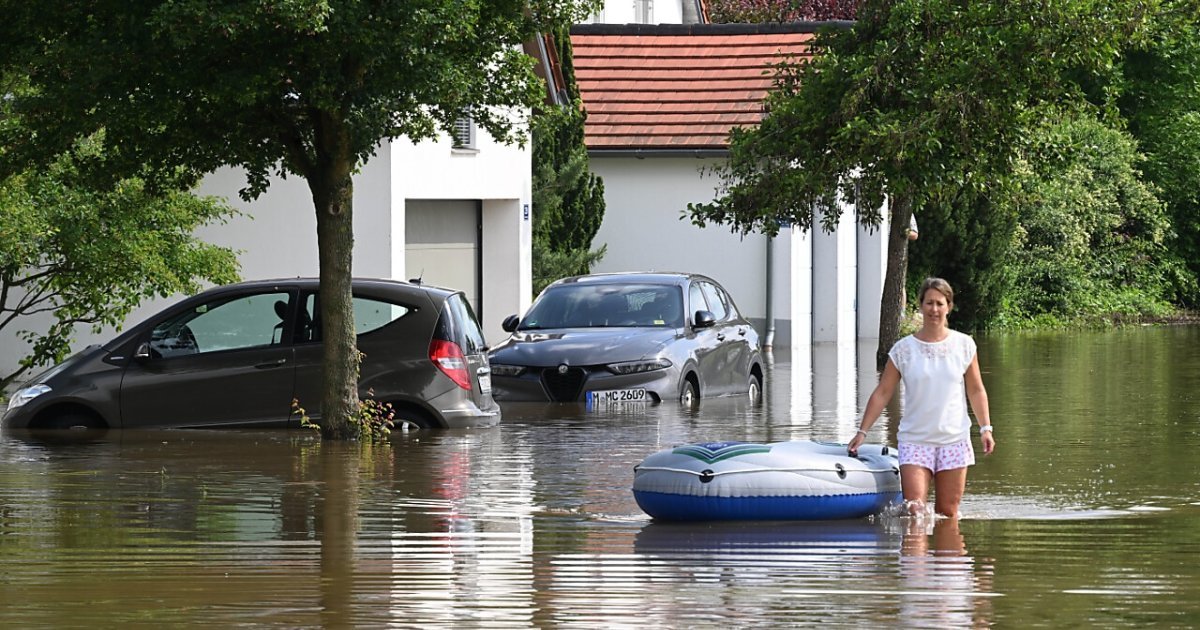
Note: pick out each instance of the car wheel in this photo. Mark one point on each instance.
(755, 389)
(689, 397)
(410, 419)
(73, 420)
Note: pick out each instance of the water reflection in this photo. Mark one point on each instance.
(1086, 514)
(459, 527)
(822, 393)
(789, 539)
(835, 386)
(943, 586)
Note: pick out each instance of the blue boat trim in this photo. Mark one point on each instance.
(679, 507)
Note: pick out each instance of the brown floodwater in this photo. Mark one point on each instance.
(1088, 514)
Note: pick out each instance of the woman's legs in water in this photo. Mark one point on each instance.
(914, 483)
(945, 467)
(949, 486)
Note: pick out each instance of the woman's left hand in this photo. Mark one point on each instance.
(989, 442)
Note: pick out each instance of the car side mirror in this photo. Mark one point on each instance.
(510, 323)
(704, 319)
(142, 353)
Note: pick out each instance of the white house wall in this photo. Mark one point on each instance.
(825, 291)
(835, 274)
(497, 174)
(872, 267)
(275, 236)
(800, 281)
(625, 12)
(642, 228)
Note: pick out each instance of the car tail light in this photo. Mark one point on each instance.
(450, 360)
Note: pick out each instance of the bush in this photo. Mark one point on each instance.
(568, 199)
(1092, 235)
(758, 11)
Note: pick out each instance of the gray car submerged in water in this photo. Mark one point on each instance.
(628, 337)
(238, 355)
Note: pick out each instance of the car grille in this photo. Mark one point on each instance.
(563, 387)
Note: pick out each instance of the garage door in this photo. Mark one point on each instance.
(442, 245)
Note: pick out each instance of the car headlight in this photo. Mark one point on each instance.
(637, 367)
(499, 369)
(25, 395)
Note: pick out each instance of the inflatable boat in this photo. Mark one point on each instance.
(799, 480)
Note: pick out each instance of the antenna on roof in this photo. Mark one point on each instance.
(417, 280)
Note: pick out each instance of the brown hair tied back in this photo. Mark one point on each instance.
(939, 285)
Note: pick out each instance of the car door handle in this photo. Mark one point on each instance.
(266, 365)
(742, 332)
(721, 337)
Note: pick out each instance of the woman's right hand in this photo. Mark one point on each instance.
(852, 447)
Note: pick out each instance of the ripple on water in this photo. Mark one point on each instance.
(1036, 507)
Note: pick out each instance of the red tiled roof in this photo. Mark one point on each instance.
(677, 87)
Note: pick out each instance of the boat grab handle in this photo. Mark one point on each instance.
(710, 474)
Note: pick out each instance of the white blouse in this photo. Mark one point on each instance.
(935, 393)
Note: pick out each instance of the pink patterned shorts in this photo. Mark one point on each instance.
(938, 458)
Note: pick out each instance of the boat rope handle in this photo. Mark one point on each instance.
(711, 473)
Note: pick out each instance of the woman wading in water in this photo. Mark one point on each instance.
(940, 371)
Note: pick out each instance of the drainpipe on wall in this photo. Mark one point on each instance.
(548, 68)
(769, 340)
(694, 12)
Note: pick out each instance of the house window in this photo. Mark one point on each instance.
(643, 11)
(464, 133)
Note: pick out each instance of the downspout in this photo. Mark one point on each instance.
(769, 340)
(693, 12)
(548, 69)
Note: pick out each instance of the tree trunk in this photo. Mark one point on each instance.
(892, 303)
(335, 245)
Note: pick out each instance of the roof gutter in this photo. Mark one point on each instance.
(648, 153)
(708, 29)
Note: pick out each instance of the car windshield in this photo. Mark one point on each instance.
(604, 305)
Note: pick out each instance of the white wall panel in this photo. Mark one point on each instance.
(276, 233)
(645, 200)
(872, 267)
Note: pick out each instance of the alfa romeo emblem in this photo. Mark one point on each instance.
(562, 368)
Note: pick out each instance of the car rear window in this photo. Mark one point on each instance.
(458, 323)
(370, 314)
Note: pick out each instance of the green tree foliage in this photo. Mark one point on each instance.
(923, 101)
(88, 257)
(759, 11)
(1092, 241)
(568, 200)
(1160, 99)
(307, 88)
(968, 242)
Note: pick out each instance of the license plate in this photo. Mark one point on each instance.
(485, 383)
(616, 397)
